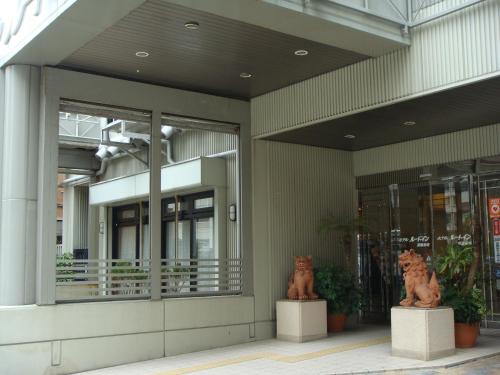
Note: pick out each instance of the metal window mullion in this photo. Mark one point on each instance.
(155, 204)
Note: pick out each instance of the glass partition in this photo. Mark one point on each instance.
(103, 192)
(425, 216)
(200, 247)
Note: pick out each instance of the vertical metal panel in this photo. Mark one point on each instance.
(456, 47)
(303, 185)
(462, 145)
(80, 217)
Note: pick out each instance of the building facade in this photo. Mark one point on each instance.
(162, 161)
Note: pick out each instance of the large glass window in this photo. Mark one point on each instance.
(103, 239)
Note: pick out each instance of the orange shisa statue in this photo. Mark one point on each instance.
(301, 282)
(420, 292)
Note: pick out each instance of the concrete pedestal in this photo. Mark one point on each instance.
(301, 321)
(424, 334)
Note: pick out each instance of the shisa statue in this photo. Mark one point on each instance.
(301, 282)
(420, 292)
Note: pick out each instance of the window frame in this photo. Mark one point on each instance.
(129, 222)
(188, 214)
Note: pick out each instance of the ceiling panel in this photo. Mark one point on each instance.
(209, 59)
(447, 111)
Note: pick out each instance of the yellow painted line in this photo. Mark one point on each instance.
(278, 357)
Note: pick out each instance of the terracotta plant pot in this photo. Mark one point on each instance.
(336, 322)
(466, 335)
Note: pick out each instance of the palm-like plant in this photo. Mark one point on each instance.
(455, 264)
(457, 291)
(346, 229)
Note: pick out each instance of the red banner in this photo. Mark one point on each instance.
(496, 227)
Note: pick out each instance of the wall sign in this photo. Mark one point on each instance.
(421, 241)
(496, 247)
(496, 227)
(11, 26)
(494, 207)
(462, 239)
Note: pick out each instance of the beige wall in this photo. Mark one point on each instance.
(461, 145)
(76, 337)
(294, 187)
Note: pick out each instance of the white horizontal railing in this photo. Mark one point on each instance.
(59, 249)
(190, 277)
(110, 279)
(95, 279)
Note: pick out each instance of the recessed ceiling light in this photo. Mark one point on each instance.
(409, 123)
(245, 75)
(192, 25)
(138, 71)
(301, 52)
(349, 136)
(142, 54)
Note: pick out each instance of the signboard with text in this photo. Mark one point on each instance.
(494, 208)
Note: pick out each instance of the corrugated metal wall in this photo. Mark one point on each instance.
(462, 145)
(124, 165)
(446, 51)
(294, 188)
(81, 218)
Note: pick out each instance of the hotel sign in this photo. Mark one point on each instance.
(19, 19)
(10, 26)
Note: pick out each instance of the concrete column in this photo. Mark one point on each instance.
(2, 112)
(19, 185)
(47, 195)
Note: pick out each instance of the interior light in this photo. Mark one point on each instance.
(409, 123)
(142, 54)
(245, 75)
(192, 25)
(301, 52)
(349, 136)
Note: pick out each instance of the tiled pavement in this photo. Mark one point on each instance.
(364, 350)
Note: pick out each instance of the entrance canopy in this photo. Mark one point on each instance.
(459, 108)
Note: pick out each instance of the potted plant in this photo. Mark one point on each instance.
(457, 271)
(341, 292)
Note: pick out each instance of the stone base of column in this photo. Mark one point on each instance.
(300, 321)
(424, 334)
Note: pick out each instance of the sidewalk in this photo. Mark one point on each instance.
(364, 350)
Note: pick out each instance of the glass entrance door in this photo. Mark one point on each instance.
(490, 209)
(426, 216)
(374, 255)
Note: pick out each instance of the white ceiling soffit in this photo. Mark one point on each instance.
(66, 30)
(320, 21)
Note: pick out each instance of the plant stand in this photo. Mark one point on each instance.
(301, 321)
(420, 333)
